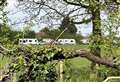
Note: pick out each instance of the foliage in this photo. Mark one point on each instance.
(74, 69)
(46, 30)
(28, 32)
(32, 63)
(104, 72)
(50, 33)
(68, 23)
(8, 36)
(3, 3)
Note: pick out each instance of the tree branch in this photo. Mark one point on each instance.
(2, 2)
(76, 4)
(73, 11)
(2, 48)
(86, 54)
(55, 10)
(83, 21)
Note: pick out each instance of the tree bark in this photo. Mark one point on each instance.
(96, 38)
(93, 58)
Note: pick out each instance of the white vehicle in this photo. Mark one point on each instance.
(66, 41)
(28, 41)
(47, 40)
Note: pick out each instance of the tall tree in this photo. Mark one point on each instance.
(90, 13)
(2, 13)
(94, 7)
(68, 23)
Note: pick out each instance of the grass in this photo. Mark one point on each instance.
(3, 65)
(80, 62)
(81, 71)
(4, 61)
(80, 67)
(72, 47)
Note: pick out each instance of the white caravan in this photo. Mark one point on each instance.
(47, 41)
(66, 41)
(28, 41)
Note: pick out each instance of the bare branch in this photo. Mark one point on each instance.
(83, 21)
(76, 4)
(55, 10)
(73, 11)
(2, 48)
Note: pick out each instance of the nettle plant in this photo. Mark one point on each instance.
(32, 63)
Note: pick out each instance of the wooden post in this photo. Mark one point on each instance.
(77, 79)
(14, 78)
(0, 75)
(61, 71)
(1, 71)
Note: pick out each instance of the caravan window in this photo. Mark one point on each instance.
(30, 40)
(60, 40)
(65, 40)
(35, 40)
(24, 41)
(20, 40)
(71, 40)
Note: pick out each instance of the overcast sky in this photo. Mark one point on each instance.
(84, 29)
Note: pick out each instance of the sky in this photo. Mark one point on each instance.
(84, 29)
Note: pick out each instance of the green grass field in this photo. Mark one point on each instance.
(72, 47)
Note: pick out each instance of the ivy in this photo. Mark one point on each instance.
(30, 63)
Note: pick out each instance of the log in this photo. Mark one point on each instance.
(91, 57)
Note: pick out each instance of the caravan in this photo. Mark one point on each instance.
(66, 41)
(28, 41)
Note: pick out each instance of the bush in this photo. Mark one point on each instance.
(30, 63)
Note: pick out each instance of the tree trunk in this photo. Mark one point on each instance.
(96, 38)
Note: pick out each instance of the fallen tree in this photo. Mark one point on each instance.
(33, 59)
(84, 53)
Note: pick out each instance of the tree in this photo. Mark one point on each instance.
(7, 36)
(94, 7)
(68, 23)
(28, 32)
(2, 2)
(91, 14)
(46, 30)
(2, 13)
